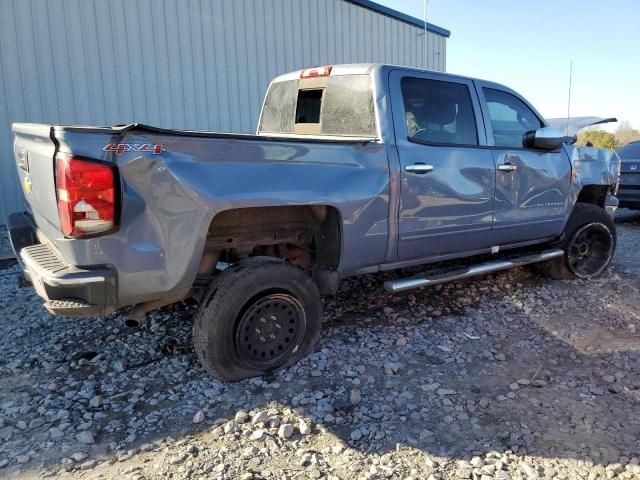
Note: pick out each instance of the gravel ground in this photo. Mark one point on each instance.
(5, 247)
(506, 376)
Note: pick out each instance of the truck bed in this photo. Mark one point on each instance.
(169, 199)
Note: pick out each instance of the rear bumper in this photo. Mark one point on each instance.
(67, 290)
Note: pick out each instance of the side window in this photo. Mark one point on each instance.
(438, 112)
(510, 117)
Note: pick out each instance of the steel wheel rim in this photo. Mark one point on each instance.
(590, 250)
(269, 331)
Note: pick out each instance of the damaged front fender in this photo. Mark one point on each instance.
(595, 167)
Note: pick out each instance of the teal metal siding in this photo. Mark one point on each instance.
(189, 64)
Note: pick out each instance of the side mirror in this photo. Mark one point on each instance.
(547, 138)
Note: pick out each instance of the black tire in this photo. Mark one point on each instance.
(589, 243)
(259, 315)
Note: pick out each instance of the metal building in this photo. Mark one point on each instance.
(187, 64)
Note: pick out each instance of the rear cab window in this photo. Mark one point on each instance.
(340, 105)
(309, 105)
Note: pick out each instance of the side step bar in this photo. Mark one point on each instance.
(403, 284)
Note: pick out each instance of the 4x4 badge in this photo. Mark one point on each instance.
(120, 148)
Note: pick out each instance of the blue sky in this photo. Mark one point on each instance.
(528, 46)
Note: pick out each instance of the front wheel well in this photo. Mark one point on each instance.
(593, 194)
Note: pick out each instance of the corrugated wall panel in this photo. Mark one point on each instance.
(188, 64)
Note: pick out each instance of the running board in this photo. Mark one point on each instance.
(403, 284)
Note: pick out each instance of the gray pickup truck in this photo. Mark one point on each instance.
(354, 169)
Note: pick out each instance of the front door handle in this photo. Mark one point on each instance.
(418, 168)
(507, 167)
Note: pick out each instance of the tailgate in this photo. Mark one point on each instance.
(34, 152)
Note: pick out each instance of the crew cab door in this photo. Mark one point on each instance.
(532, 186)
(447, 175)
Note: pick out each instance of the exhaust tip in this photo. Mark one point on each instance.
(136, 318)
(132, 323)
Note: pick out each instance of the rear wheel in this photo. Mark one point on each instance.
(589, 244)
(259, 316)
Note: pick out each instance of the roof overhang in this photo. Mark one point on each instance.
(416, 22)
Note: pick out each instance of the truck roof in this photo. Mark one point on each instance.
(367, 68)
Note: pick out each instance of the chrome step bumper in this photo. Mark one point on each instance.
(403, 284)
(67, 289)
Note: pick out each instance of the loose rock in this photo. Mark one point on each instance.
(285, 431)
(198, 417)
(85, 437)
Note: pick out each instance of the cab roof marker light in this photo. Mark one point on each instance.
(316, 72)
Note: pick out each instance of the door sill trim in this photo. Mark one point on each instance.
(385, 267)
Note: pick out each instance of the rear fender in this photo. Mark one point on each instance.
(170, 200)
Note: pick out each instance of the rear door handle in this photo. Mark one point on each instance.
(418, 168)
(507, 167)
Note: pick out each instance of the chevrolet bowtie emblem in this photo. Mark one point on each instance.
(26, 184)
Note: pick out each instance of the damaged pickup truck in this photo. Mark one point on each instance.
(354, 169)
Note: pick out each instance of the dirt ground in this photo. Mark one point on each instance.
(505, 376)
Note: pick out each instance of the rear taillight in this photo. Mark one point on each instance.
(86, 196)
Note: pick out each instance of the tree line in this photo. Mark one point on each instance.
(611, 141)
